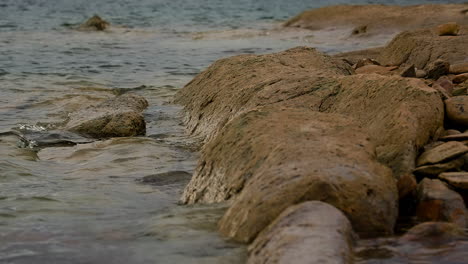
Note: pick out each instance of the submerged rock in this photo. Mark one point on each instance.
(117, 117)
(166, 178)
(311, 232)
(95, 23)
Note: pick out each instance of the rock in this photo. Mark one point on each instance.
(422, 48)
(456, 110)
(436, 202)
(380, 19)
(434, 170)
(117, 117)
(406, 112)
(408, 71)
(445, 83)
(421, 73)
(355, 56)
(95, 23)
(455, 137)
(406, 185)
(459, 68)
(167, 178)
(433, 233)
(444, 94)
(364, 62)
(311, 232)
(437, 69)
(460, 78)
(456, 179)
(452, 132)
(442, 153)
(368, 69)
(457, 91)
(448, 29)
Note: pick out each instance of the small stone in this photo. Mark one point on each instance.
(437, 202)
(442, 153)
(459, 68)
(437, 69)
(456, 179)
(365, 62)
(449, 29)
(434, 170)
(421, 73)
(456, 109)
(408, 71)
(460, 78)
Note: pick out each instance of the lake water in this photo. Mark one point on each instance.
(84, 203)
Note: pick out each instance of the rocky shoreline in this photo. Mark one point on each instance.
(367, 136)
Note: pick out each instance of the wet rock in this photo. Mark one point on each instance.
(311, 232)
(436, 202)
(434, 170)
(95, 23)
(406, 112)
(448, 29)
(276, 156)
(368, 69)
(459, 68)
(460, 78)
(437, 69)
(117, 117)
(166, 178)
(456, 179)
(456, 110)
(433, 233)
(422, 48)
(365, 62)
(408, 71)
(442, 153)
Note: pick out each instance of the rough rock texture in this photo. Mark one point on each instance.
(95, 23)
(311, 232)
(456, 109)
(459, 68)
(405, 112)
(239, 83)
(442, 153)
(379, 19)
(448, 29)
(433, 233)
(436, 202)
(422, 47)
(435, 169)
(117, 117)
(437, 68)
(456, 179)
(275, 157)
(460, 78)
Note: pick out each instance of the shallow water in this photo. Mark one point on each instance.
(67, 203)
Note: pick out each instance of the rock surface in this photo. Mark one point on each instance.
(117, 117)
(448, 29)
(436, 202)
(433, 233)
(442, 153)
(456, 109)
(422, 47)
(435, 169)
(456, 179)
(95, 23)
(311, 232)
(459, 68)
(437, 68)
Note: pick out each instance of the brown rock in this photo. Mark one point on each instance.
(433, 233)
(456, 179)
(455, 137)
(436, 202)
(421, 73)
(311, 232)
(445, 83)
(95, 23)
(406, 185)
(459, 68)
(117, 117)
(408, 71)
(460, 78)
(422, 48)
(456, 109)
(437, 69)
(457, 91)
(442, 153)
(451, 132)
(448, 29)
(434, 170)
(368, 69)
(364, 62)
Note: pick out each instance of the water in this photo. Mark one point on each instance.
(84, 204)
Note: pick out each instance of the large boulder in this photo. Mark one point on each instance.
(379, 19)
(311, 232)
(405, 114)
(117, 117)
(276, 156)
(423, 47)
